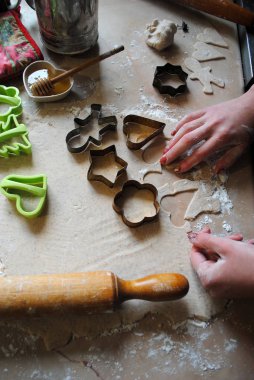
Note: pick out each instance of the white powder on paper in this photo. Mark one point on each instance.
(221, 194)
(200, 224)
(226, 226)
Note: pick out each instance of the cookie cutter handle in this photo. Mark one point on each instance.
(34, 190)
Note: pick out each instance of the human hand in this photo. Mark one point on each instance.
(225, 266)
(227, 126)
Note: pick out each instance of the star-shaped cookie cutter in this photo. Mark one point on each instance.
(102, 153)
(9, 130)
(106, 124)
(10, 96)
(14, 185)
(166, 72)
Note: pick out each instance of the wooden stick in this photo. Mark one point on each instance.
(86, 64)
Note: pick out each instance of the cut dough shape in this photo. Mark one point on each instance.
(202, 201)
(160, 34)
(205, 52)
(203, 74)
(211, 36)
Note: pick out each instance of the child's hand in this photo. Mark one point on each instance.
(225, 266)
(227, 126)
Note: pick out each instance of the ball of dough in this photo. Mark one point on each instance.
(160, 34)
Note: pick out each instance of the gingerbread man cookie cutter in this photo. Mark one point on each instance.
(105, 124)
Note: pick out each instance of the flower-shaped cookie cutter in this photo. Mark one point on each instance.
(10, 96)
(105, 124)
(13, 186)
(156, 128)
(9, 130)
(91, 176)
(119, 198)
(164, 73)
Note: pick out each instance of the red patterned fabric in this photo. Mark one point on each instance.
(17, 48)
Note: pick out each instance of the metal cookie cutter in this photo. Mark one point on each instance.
(9, 131)
(13, 187)
(164, 73)
(10, 96)
(118, 203)
(111, 150)
(155, 128)
(105, 124)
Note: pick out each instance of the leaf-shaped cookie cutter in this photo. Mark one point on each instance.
(35, 185)
(157, 126)
(168, 71)
(10, 96)
(106, 124)
(139, 186)
(102, 153)
(9, 130)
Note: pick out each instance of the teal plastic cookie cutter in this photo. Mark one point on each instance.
(10, 96)
(13, 138)
(17, 187)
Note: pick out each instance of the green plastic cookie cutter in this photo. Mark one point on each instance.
(14, 187)
(11, 130)
(10, 96)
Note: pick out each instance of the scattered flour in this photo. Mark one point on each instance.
(226, 226)
(200, 225)
(221, 194)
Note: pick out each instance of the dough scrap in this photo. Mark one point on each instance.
(160, 34)
(211, 36)
(205, 52)
(203, 74)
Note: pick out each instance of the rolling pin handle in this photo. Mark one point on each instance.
(157, 287)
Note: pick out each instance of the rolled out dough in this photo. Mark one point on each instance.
(211, 36)
(204, 52)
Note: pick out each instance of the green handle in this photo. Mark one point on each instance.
(35, 190)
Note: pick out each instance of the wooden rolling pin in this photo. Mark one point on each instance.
(222, 8)
(91, 292)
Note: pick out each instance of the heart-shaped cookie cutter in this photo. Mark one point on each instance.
(106, 124)
(157, 126)
(10, 96)
(12, 129)
(102, 153)
(117, 203)
(11, 185)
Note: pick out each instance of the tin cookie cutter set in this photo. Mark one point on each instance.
(134, 123)
(119, 202)
(103, 153)
(163, 74)
(105, 124)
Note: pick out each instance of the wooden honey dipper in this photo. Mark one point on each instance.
(88, 292)
(43, 86)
